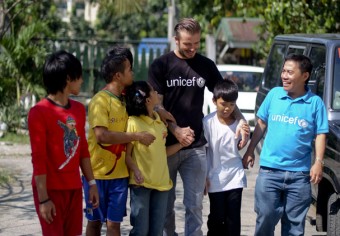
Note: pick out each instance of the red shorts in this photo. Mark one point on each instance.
(69, 212)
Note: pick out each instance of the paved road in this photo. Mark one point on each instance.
(18, 217)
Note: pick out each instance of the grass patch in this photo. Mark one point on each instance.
(15, 138)
(5, 177)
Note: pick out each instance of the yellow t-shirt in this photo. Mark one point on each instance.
(108, 111)
(151, 160)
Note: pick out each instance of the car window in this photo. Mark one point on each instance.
(336, 80)
(317, 79)
(246, 81)
(296, 49)
(274, 66)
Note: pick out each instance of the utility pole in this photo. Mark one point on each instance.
(171, 23)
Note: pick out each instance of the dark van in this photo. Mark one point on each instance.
(324, 52)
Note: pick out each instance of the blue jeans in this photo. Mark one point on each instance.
(284, 195)
(192, 166)
(148, 210)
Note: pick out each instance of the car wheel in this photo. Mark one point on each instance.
(333, 215)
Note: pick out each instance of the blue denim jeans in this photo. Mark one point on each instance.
(192, 167)
(148, 210)
(284, 195)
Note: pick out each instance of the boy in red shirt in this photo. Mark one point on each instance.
(59, 147)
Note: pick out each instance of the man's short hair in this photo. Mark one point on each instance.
(304, 62)
(188, 24)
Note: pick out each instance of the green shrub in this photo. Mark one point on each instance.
(15, 138)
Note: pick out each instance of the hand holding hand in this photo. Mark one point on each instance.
(184, 135)
(248, 160)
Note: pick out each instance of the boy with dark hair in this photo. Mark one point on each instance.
(57, 134)
(107, 139)
(225, 178)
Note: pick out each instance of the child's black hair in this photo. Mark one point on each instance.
(227, 90)
(136, 95)
(58, 68)
(114, 62)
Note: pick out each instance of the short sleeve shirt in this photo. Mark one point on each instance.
(107, 111)
(292, 124)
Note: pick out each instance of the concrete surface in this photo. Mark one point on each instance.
(18, 216)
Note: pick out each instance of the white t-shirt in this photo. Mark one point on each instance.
(225, 169)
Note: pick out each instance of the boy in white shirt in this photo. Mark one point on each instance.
(226, 178)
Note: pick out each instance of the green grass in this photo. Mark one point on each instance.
(15, 138)
(5, 177)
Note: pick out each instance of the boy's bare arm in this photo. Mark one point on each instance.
(85, 166)
(249, 156)
(46, 206)
(130, 163)
(103, 135)
(244, 133)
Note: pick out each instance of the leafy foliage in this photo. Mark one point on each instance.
(288, 17)
(134, 24)
(22, 54)
(21, 59)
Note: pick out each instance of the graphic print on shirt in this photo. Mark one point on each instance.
(290, 120)
(200, 82)
(71, 139)
(116, 149)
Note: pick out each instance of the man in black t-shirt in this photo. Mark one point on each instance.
(180, 77)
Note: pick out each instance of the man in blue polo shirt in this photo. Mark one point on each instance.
(293, 117)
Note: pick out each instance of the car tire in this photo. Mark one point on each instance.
(333, 215)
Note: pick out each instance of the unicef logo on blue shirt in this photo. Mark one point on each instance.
(303, 123)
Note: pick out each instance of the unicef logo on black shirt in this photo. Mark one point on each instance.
(200, 82)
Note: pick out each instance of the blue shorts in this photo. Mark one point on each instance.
(112, 204)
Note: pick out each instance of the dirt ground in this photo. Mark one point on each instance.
(18, 216)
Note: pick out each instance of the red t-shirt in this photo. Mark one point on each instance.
(58, 141)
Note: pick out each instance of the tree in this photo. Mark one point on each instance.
(21, 59)
(122, 7)
(287, 17)
(280, 16)
(117, 22)
(21, 52)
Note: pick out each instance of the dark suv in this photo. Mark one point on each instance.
(324, 52)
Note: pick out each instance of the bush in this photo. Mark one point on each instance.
(15, 138)
(12, 116)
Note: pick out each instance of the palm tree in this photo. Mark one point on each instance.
(122, 7)
(21, 58)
